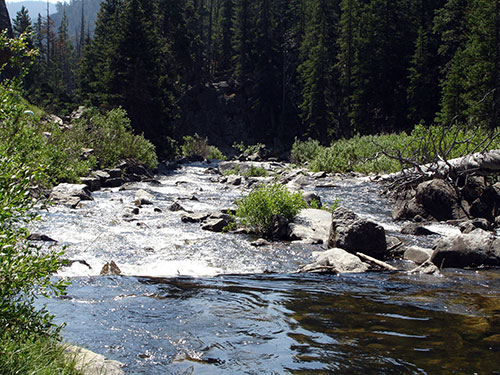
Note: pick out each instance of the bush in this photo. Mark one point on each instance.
(197, 146)
(256, 211)
(110, 136)
(305, 151)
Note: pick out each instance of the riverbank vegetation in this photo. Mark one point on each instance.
(388, 153)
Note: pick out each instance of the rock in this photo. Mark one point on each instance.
(93, 183)
(70, 262)
(473, 188)
(318, 175)
(439, 200)
(134, 170)
(260, 242)
(90, 363)
(481, 209)
(114, 173)
(142, 197)
(417, 254)
(110, 269)
(215, 225)
(393, 243)
(101, 175)
(70, 194)
(176, 207)
(113, 182)
(407, 210)
(196, 217)
(470, 225)
(77, 113)
(311, 224)
(312, 199)
(279, 229)
(234, 180)
(416, 230)
(40, 237)
(351, 233)
(136, 211)
(337, 261)
(474, 249)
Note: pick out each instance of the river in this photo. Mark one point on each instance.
(197, 302)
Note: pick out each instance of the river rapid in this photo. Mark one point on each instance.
(191, 301)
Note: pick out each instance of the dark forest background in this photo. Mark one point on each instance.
(269, 71)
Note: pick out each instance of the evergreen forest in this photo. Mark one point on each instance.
(270, 71)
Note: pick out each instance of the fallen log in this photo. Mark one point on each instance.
(480, 163)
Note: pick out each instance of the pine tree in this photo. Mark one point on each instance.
(22, 22)
(244, 36)
(224, 37)
(320, 92)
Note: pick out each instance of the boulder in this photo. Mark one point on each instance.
(142, 197)
(311, 225)
(40, 237)
(470, 225)
(113, 182)
(260, 242)
(354, 234)
(215, 225)
(70, 194)
(196, 217)
(94, 183)
(417, 254)
(415, 229)
(234, 180)
(90, 363)
(336, 261)
(279, 229)
(176, 207)
(407, 209)
(474, 249)
(439, 200)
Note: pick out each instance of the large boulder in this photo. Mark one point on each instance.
(311, 225)
(336, 261)
(439, 200)
(354, 234)
(474, 249)
(70, 194)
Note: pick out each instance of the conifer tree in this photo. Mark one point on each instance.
(22, 22)
(320, 91)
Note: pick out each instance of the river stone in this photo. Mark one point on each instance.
(94, 183)
(408, 209)
(215, 225)
(415, 229)
(102, 175)
(417, 254)
(40, 237)
(70, 194)
(176, 207)
(338, 261)
(473, 249)
(260, 242)
(196, 217)
(142, 197)
(234, 180)
(439, 200)
(90, 363)
(311, 225)
(354, 234)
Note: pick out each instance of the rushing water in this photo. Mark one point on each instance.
(197, 302)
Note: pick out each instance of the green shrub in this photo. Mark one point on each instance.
(256, 172)
(256, 210)
(110, 136)
(305, 151)
(197, 146)
(25, 270)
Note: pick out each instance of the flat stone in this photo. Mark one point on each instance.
(417, 254)
(196, 217)
(90, 363)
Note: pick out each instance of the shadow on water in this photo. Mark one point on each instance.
(291, 324)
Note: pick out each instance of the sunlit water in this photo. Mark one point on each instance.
(197, 302)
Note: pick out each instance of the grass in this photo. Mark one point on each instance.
(35, 355)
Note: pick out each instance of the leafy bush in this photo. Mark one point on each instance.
(256, 172)
(197, 146)
(305, 151)
(110, 136)
(25, 270)
(257, 209)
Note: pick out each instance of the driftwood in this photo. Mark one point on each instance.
(377, 262)
(480, 163)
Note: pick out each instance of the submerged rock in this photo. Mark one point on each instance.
(416, 230)
(417, 254)
(336, 261)
(215, 224)
(142, 197)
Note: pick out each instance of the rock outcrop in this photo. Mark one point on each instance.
(70, 194)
